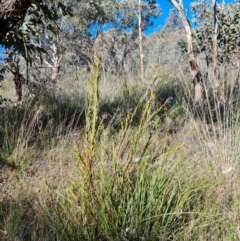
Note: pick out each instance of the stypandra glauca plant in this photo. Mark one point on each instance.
(117, 193)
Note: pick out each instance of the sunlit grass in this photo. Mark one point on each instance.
(7, 89)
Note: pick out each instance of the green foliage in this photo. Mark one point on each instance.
(45, 15)
(127, 19)
(173, 21)
(228, 19)
(24, 36)
(88, 27)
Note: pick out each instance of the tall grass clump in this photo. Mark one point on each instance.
(17, 131)
(124, 191)
(36, 126)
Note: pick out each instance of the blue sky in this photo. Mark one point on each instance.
(165, 7)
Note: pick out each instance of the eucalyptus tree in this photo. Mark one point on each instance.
(207, 11)
(114, 49)
(173, 21)
(163, 49)
(20, 21)
(217, 36)
(107, 28)
(195, 70)
(227, 21)
(82, 29)
(42, 31)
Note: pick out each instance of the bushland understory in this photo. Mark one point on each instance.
(121, 161)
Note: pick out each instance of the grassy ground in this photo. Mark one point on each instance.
(111, 159)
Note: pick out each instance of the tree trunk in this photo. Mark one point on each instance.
(13, 67)
(56, 60)
(218, 90)
(195, 70)
(140, 39)
(18, 81)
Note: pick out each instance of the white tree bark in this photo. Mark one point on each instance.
(218, 91)
(56, 60)
(195, 70)
(140, 39)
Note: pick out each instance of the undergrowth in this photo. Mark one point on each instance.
(134, 176)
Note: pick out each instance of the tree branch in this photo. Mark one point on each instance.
(11, 12)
